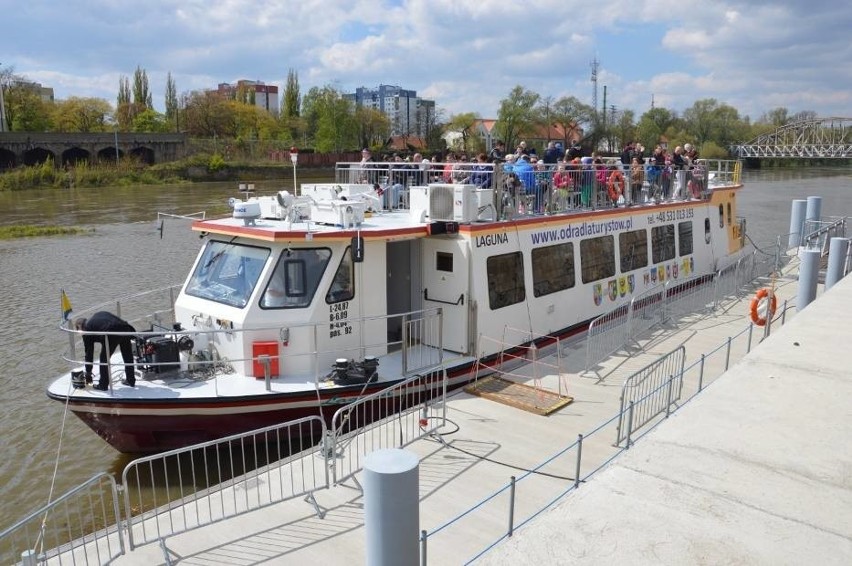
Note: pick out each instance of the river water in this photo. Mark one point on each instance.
(124, 253)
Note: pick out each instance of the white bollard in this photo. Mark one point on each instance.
(797, 220)
(808, 278)
(392, 508)
(837, 250)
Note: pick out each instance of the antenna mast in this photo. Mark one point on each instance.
(594, 66)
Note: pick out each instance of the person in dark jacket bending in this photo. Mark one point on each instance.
(107, 323)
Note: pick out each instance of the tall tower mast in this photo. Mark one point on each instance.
(594, 66)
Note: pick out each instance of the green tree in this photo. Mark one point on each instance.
(569, 113)
(150, 121)
(653, 124)
(172, 103)
(464, 124)
(517, 114)
(82, 115)
(207, 114)
(141, 93)
(292, 101)
(330, 119)
(25, 109)
(373, 126)
(124, 111)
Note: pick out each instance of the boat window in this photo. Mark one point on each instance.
(343, 285)
(662, 243)
(721, 217)
(552, 269)
(730, 216)
(706, 230)
(597, 258)
(684, 238)
(296, 278)
(444, 261)
(227, 273)
(505, 280)
(633, 250)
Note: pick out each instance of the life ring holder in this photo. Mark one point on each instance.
(763, 307)
(615, 185)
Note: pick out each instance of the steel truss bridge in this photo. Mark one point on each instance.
(818, 138)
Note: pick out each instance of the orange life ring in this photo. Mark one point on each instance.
(763, 307)
(615, 185)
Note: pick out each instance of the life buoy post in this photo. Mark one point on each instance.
(763, 306)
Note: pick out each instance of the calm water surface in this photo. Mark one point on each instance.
(125, 254)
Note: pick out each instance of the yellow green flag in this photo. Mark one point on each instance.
(65, 302)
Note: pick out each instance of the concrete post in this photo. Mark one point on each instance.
(808, 277)
(797, 219)
(814, 209)
(837, 250)
(391, 508)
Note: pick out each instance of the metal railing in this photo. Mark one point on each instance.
(646, 311)
(180, 490)
(420, 339)
(542, 188)
(81, 526)
(650, 391)
(391, 418)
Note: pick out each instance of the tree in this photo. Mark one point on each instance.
(26, 111)
(698, 119)
(124, 111)
(291, 103)
(374, 127)
(172, 103)
(517, 114)
(330, 119)
(141, 94)
(150, 121)
(82, 115)
(463, 124)
(653, 124)
(206, 114)
(568, 113)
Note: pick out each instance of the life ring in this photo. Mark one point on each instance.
(615, 185)
(763, 307)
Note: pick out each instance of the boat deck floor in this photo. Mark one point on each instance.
(482, 446)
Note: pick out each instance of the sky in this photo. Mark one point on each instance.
(466, 55)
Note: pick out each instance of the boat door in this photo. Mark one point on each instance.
(446, 284)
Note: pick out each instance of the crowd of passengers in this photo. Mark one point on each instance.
(554, 181)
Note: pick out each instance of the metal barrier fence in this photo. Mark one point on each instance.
(391, 418)
(649, 392)
(612, 331)
(505, 510)
(81, 526)
(176, 491)
(607, 334)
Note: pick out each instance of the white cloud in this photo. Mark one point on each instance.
(466, 54)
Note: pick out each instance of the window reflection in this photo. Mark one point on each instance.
(296, 278)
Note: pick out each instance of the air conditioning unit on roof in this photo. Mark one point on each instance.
(453, 203)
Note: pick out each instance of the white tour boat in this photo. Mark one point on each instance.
(298, 304)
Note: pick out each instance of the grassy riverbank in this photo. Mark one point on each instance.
(11, 232)
(199, 168)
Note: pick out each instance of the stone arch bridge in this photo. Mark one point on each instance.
(33, 148)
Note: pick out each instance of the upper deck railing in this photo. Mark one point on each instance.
(542, 188)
